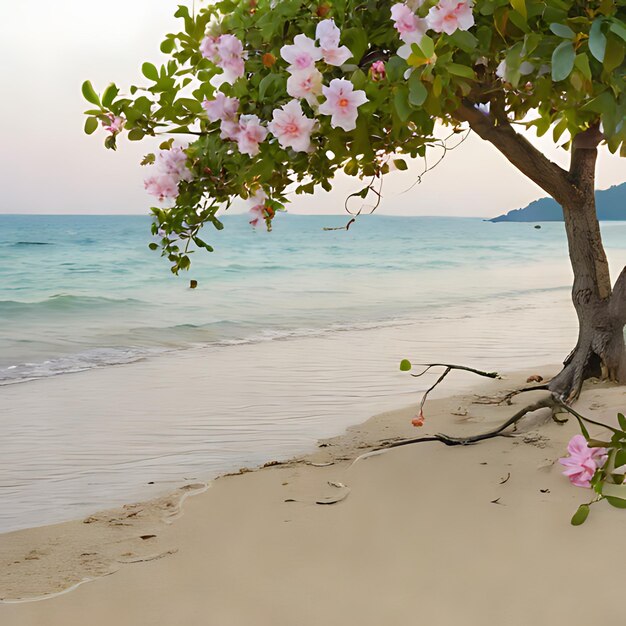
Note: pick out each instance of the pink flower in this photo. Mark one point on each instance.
(208, 48)
(221, 107)
(250, 134)
(173, 162)
(582, 462)
(302, 54)
(230, 129)
(328, 36)
(171, 166)
(418, 420)
(342, 103)
(378, 71)
(336, 56)
(115, 125)
(231, 57)
(226, 51)
(410, 27)
(291, 127)
(305, 84)
(257, 208)
(451, 15)
(162, 186)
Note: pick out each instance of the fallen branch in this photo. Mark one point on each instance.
(448, 368)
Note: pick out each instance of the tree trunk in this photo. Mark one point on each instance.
(600, 350)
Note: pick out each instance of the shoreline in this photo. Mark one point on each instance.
(132, 544)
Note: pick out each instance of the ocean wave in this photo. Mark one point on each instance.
(63, 303)
(68, 364)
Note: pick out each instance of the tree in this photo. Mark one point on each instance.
(279, 95)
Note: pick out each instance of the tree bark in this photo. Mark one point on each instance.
(600, 350)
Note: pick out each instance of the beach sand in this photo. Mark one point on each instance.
(475, 535)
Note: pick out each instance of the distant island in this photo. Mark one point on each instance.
(610, 205)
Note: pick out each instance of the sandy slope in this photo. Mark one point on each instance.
(427, 534)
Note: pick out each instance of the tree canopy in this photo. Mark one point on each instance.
(279, 95)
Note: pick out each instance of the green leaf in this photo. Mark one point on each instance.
(460, 70)
(520, 7)
(563, 61)
(614, 53)
(91, 125)
(136, 134)
(150, 71)
(464, 40)
(168, 45)
(427, 46)
(597, 40)
(620, 458)
(89, 93)
(621, 421)
(582, 63)
(109, 95)
(417, 90)
(401, 103)
(401, 165)
(581, 515)
(153, 246)
(562, 30)
(618, 29)
(405, 365)
(618, 503)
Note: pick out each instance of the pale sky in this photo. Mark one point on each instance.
(48, 165)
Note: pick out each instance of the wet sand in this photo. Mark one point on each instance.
(474, 535)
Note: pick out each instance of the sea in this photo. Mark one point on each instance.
(299, 331)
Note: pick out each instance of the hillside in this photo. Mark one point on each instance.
(611, 205)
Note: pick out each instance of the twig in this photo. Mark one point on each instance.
(512, 394)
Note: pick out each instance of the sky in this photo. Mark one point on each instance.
(48, 165)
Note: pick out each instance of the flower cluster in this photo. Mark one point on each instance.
(227, 52)
(305, 80)
(582, 462)
(447, 16)
(115, 124)
(291, 127)
(171, 168)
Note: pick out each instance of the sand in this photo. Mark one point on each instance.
(420, 534)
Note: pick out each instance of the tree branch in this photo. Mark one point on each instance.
(518, 150)
(583, 160)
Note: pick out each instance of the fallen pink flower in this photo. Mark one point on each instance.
(419, 420)
(582, 462)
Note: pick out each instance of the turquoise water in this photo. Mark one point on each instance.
(291, 336)
(84, 291)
